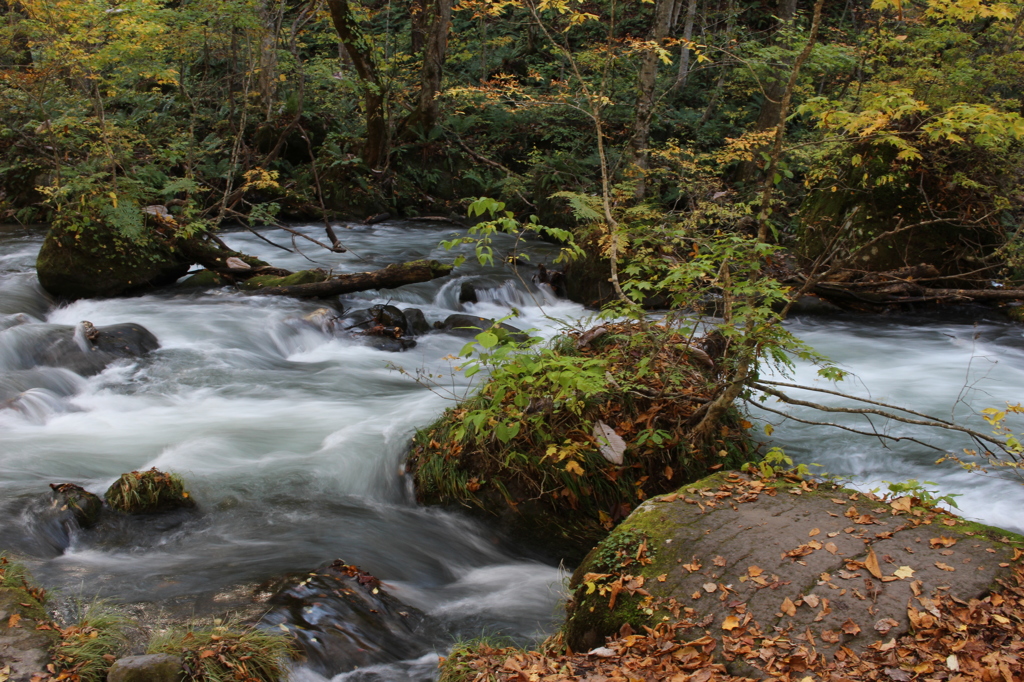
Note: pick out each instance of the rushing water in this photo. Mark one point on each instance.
(292, 441)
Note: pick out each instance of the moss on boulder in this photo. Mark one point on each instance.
(90, 264)
(146, 492)
(300, 277)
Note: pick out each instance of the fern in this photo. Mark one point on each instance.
(585, 208)
(126, 218)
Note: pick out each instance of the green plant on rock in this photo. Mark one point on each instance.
(148, 491)
(227, 651)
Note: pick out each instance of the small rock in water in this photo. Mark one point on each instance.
(149, 668)
(77, 503)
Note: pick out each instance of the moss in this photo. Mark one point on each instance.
(87, 265)
(140, 492)
(300, 277)
(17, 588)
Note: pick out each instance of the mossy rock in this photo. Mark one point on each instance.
(204, 279)
(523, 453)
(789, 556)
(300, 277)
(147, 492)
(78, 503)
(93, 265)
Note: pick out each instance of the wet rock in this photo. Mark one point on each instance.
(809, 304)
(8, 321)
(148, 492)
(416, 322)
(837, 565)
(76, 504)
(343, 618)
(149, 668)
(326, 320)
(204, 279)
(467, 293)
(84, 349)
(460, 324)
(388, 343)
(389, 316)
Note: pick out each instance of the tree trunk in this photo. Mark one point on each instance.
(684, 57)
(375, 147)
(392, 276)
(645, 98)
(434, 51)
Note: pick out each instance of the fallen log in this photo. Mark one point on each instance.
(395, 275)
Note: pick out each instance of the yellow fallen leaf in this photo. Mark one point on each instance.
(831, 548)
(788, 607)
(754, 571)
(902, 504)
(904, 572)
(871, 563)
(663, 577)
(814, 531)
(731, 623)
(944, 567)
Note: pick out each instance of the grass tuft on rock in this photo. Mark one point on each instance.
(140, 492)
(227, 652)
(536, 448)
(86, 650)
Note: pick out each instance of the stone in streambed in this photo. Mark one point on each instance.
(460, 324)
(84, 349)
(148, 492)
(76, 505)
(811, 562)
(416, 322)
(149, 668)
(343, 618)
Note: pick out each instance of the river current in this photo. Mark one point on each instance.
(292, 441)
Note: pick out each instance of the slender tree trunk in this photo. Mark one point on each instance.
(434, 51)
(684, 56)
(418, 21)
(375, 146)
(645, 98)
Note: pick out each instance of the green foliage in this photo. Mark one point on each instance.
(226, 652)
(620, 550)
(777, 464)
(921, 496)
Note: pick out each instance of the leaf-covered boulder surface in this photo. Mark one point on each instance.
(736, 577)
(564, 442)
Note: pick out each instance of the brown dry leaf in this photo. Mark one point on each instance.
(814, 544)
(814, 531)
(719, 561)
(692, 567)
(915, 587)
(871, 563)
(830, 636)
(12, 622)
(884, 625)
(695, 595)
(663, 577)
(788, 607)
(865, 520)
(944, 567)
(731, 623)
(942, 541)
(710, 587)
(831, 548)
(812, 600)
(852, 512)
(949, 522)
(850, 628)
(207, 653)
(902, 504)
(754, 571)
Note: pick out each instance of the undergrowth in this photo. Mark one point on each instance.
(227, 652)
(531, 441)
(88, 649)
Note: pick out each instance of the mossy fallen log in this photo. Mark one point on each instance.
(391, 277)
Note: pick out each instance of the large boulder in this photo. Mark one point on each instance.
(829, 569)
(148, 492)
(342, 618)
(84, 265)
(148, 668)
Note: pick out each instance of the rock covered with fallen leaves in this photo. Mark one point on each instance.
(738, 578)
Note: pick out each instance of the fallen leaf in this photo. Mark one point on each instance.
(944, 567)
(884, 625)
(663, 577)
(850, 628)
(897, 675)
(788, 607)
(904, 572)
(814, 531)
(710, 587)
(942, 541)
(830, 636)
(719, 561)
(812, 600)
(692, 567)
(952, 663)
(831, 548)
(12, 622)
(610, 444)
(902, 504)
(730, 623)
(871, 563)
(207, 653)
(754, 571)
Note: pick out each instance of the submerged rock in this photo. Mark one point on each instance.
(416, 322)
(77, 505)
(461, 324)
(342, 618)
(83, 349)
(734, 554)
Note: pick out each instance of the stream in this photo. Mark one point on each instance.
(292, 441)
